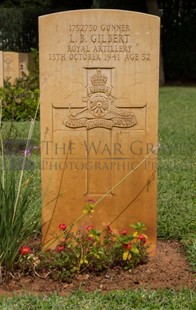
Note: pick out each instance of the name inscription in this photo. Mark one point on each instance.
(102, 43)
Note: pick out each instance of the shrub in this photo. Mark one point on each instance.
(19, 101)
(88, 250)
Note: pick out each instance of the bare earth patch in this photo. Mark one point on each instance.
(168, 269)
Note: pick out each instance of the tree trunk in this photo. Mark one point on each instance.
(95, 4)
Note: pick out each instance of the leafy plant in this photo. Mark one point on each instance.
(88, 250)
(19, 101)
(16, 225)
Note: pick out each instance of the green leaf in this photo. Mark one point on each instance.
(135, 250)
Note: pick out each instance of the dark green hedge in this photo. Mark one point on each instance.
(19, 29)
(178, 27)
(178, 39)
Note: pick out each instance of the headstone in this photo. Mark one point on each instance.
(11, 66)
(15, 65)
(99, 72)
(1, 69)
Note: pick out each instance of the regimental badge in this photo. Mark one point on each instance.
(101, 109)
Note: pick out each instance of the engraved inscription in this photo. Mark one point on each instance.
(100, 110)
(102, 43)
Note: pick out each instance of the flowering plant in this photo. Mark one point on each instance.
(92, 251)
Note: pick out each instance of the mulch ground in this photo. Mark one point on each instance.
(167, 269)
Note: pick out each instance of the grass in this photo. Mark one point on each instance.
(117, 300)
(176, 170)
(15, 137)
(19, 130)
(176, 211)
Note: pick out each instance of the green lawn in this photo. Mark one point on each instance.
(120, 300)
(176, 210)
(176, 169)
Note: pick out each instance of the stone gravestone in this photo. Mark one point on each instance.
(11, 66)
(15, 65)
(99, 102)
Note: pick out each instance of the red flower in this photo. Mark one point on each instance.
(123, 232)
(89, 227)
(60, 248)
(91, 239)
(127, 246)
(142, 238)
(25, 250)
(62, 227)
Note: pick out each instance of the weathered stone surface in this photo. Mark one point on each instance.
(11, 66)
(99, 105)
(15, 65)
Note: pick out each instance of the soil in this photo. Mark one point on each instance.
(167, 269)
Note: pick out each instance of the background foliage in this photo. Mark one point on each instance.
(19, 101)
(19, 27)
(178, 45)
